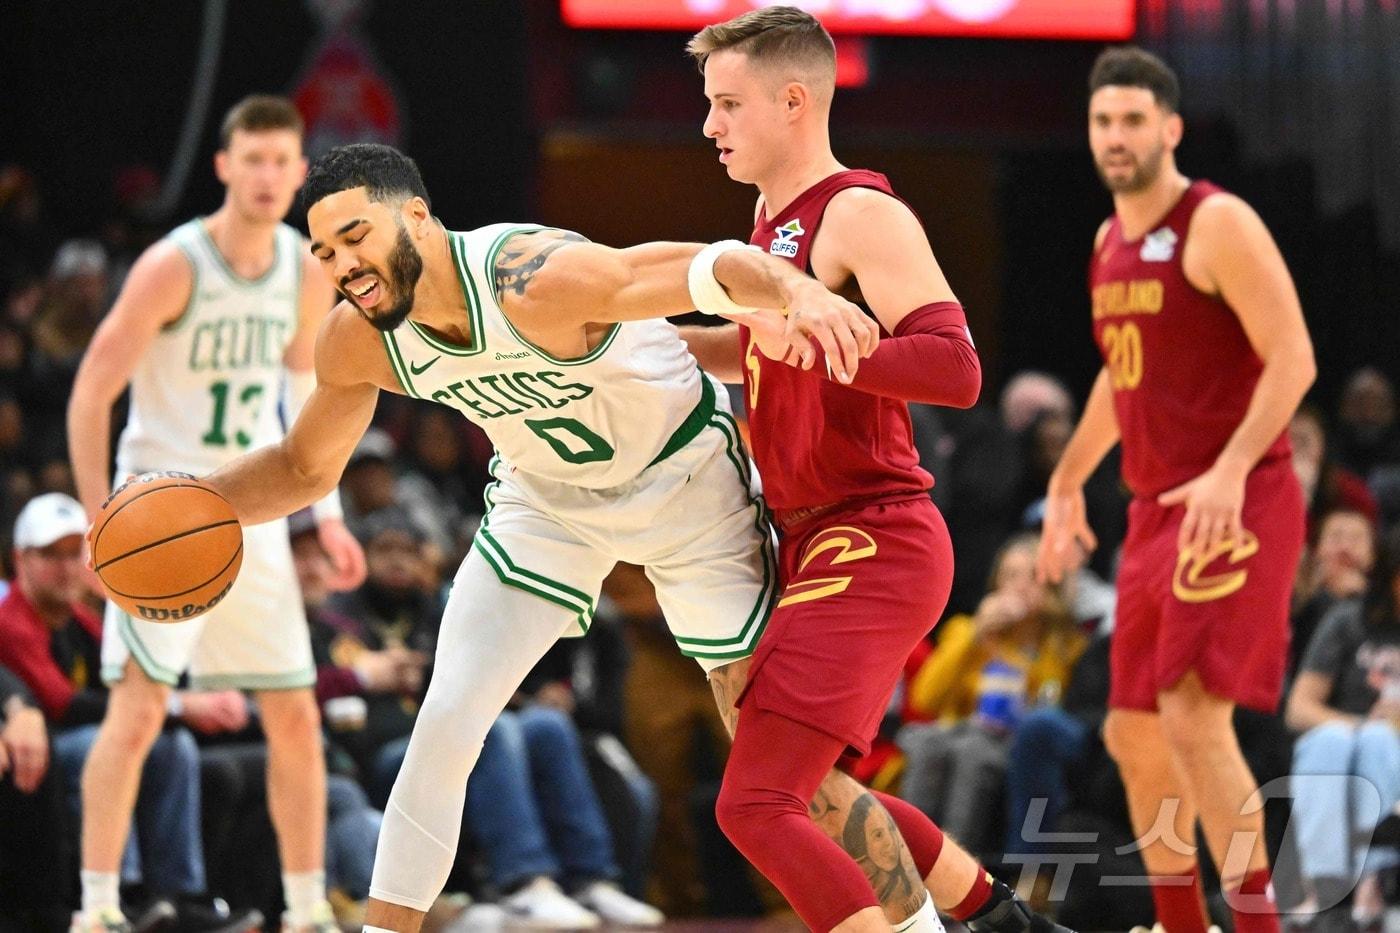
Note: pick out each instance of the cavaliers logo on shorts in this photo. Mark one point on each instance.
(849, 543)
(1215, 574)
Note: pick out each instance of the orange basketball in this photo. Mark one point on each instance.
(166, 546)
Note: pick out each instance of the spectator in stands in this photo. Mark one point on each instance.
(985, 489)
(445, 456)
(986, 670)
(75, 299)
(1335, 567)
(372, 482)
(1327, 485)
(580, 680)
(27, 233)
(1367, 435)
(52, 642)
(530, 803)
(36, 884)
(1346, 703)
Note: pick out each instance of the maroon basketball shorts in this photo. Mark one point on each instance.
(1223, 614)
(861, 587)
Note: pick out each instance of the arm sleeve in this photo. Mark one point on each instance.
(929, 358)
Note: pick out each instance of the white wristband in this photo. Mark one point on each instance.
(328, 507)
(705, 291)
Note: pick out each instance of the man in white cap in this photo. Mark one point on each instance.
(53, 643)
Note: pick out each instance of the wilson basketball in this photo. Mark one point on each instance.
(166, 546)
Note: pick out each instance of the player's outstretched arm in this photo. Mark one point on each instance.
(274, 481)
(156, 293)
(551, 279)
(877, 240)
(1066, 525)
(317, 298)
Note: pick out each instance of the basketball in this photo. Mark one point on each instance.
(166, 546)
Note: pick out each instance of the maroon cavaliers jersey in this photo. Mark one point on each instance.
(816, 441)
(1181, 367)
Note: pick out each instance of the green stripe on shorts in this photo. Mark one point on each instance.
(742, 644)
(512, 574)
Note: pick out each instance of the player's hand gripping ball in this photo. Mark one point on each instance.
(167, 547)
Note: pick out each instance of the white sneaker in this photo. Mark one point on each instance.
(107, 920)
(615, 906)
(475, 918)
(322, 921)
(540, 905)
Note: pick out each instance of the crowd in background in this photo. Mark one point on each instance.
(606, 764)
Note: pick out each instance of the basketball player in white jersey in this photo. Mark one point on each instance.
(611, 446)
(215, 325)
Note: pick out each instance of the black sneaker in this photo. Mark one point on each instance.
(156, 917)
(192, 916)
(1013, 916)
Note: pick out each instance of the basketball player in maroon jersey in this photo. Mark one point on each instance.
(865, 558)
(1205, 359)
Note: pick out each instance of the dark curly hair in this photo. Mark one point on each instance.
(1130, 66)
(386, 173)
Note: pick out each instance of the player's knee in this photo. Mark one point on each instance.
(732, 809)
(1127, 743)
(744, 813)
(291, 717)
(135, 717)
(1191, 731)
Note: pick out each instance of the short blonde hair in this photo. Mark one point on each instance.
(775, 35)
(259, 112)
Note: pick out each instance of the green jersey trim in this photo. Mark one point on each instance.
(396, 363)
(292, 680)
(152, 668)
(742, 644)
(693, 424)
(470, 295)
(512, 574)
(174, 325)
(588, 357)
(234, 277)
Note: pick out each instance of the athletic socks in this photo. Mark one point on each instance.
(924, 920)
(303, 891)
(976, 902)
(1179, 902)
(100, 891)
(1252, 904)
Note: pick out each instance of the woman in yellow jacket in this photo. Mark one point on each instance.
(987, 669)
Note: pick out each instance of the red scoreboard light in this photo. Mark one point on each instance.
(1103, 20)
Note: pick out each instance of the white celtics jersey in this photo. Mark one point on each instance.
(207, 390)
(593, 422)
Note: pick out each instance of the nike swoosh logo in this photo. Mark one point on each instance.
(420, 370)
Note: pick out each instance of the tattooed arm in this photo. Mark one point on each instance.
(552, 280)
(555, 277)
